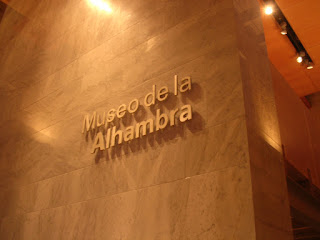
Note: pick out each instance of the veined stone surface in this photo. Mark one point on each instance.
(217, 176)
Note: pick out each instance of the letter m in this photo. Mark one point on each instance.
(89, 122)
(143, 125)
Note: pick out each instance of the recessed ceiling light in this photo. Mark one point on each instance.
(310, 66)
(284, 32)
(102, 5)
(268, 10)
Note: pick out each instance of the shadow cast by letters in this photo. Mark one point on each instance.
(154, 138)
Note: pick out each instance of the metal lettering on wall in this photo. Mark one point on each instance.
(113, 135)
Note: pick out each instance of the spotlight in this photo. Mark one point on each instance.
(100, 4)
(309, 66)
(299, 59)
(283, 26)
(268, 10)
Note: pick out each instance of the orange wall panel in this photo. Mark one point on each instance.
(299, 128)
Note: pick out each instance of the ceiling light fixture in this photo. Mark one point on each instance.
(283, 26)
(309, 66)
(268, 10)
(102, 5)
(303, 58)
(300, 57)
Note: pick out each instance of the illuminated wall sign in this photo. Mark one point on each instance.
(113, 135)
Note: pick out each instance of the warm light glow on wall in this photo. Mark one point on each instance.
(102, 5)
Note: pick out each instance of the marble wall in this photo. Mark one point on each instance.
(270, 200)
(218, 176)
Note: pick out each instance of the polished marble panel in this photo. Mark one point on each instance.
(271, 205)
(201, 179)
(166, 211)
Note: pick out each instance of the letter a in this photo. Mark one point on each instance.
(186, 113)
(98, 143)
(185, 84)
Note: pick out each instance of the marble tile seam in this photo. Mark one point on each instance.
(136, 86)
(186, 20)
(121, 54)
(70, 30)
(36, 22)
(70, 117)
(50, 93)
(124, 192)
(58, 70)
(33, 22)
(13, 4)
(94, 164)
(87, 52)
(141, 43)
(72, 26)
